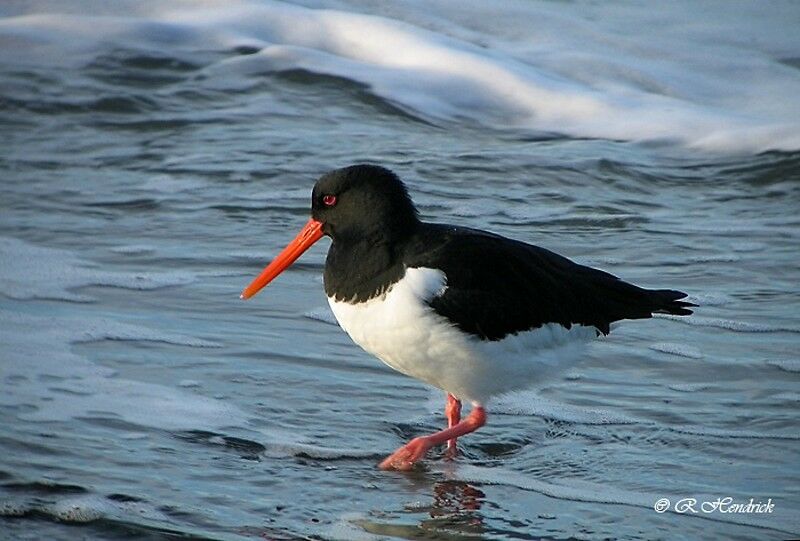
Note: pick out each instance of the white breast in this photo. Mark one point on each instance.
(403, 331)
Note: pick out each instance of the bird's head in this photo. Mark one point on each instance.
(360, 203)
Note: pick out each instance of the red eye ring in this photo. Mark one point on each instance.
(329, 200)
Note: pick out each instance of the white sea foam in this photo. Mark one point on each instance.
(58, 384)
(681, 350)
(733, 434)
(169, 184)
(43, 374)
(260, 257)
(586, 491)
(710, 299)
(90, 507)
(690, 387)
(586, 70)
(77, 509)
(353, 527)
(36, 272)
(573, 489)
(788, 365)
(529, 403)
(714, 258)
(95, 331)
(15, 509)
(729, 324)
(748, 246)
(133, 249)
(788, 396)
(323, 314)
(319, 452)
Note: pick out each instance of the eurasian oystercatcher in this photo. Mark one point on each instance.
(470, 312)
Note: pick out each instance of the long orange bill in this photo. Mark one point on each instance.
(310, 234)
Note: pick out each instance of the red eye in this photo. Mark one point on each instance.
(329, 200)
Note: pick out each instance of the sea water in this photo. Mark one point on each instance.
(155, 155)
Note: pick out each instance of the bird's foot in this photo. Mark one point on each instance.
(404, 458)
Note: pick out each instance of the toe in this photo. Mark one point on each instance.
(404, 458)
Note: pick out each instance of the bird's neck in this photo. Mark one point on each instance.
(358, 270)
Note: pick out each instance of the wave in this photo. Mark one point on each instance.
(586, 491)
(280, 445)
(38, 348)
(526, 67)
(681, 350)
(730, 324)
(36, 272)
(529, 403)
(787, 365)
(323, 314)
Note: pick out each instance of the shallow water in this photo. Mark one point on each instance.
(153, 160)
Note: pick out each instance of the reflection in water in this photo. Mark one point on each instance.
(453, 513)
(456, 507)
(455, 496)
(149, 166)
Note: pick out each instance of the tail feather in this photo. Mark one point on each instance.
(615, 299)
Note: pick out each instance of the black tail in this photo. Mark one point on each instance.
(614, 299)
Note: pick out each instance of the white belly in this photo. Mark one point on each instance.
(405, 333)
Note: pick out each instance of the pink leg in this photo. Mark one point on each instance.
(405, 457)
(453, 413)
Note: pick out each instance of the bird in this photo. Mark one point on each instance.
(467, 311)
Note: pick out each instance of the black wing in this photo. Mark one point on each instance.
(498, 286)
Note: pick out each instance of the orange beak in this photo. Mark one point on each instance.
(310, 234)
